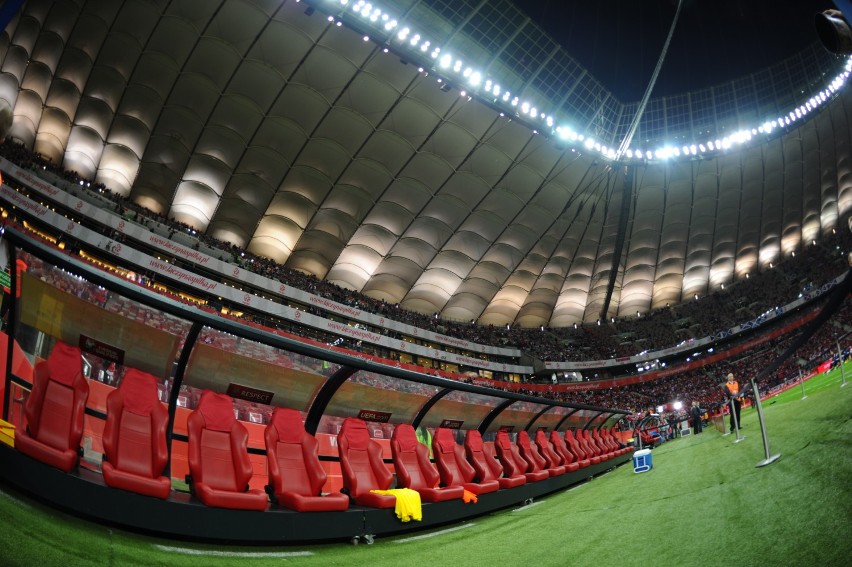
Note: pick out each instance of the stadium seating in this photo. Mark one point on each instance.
(617, 443)
(219, 465)
(454, 468)
(590, 451)
(54, 410)
(512, 461)
(574, 446)
(362, 466)
(485, 465)
(552, 459)
(594, 438)
(135, 451)
(569, 461)
(536, 461)
(505, 480)
(296, 476)
(609, 438)
(414, 470)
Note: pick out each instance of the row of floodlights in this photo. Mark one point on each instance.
(475, 79)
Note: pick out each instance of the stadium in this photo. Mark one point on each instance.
(284, 277)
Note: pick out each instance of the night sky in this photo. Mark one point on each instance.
(619, 41)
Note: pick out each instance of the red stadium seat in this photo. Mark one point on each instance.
(616, 441)
(362, 466)
(536, 461)
(219, 465)
(296, 476)
(503, 477)
(574, 446)
(553, 460)
(454, 468)
(569, 461)
(590, 451)
(606, 442)
(595, 438)
(54, 410)
(414, 470)
(135, 451)
(512, 461)
(611, 443)
(484, 463)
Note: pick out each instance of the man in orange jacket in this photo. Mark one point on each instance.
(734, 392)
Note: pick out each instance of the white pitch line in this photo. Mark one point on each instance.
(240, 554)
(527, 507)
(433, 534)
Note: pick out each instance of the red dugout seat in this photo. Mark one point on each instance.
(546, 450)
(414, 470)
(531, 455)
(611, 434)
(135, 451)
(609, 442)
(454, 468)
(54, 410)
(574, 446)
(296, 476)
(512, 461)
(487, 467)
(569, 461)
(219, 465)
(591, 451)
(362, 466)
(594, 437)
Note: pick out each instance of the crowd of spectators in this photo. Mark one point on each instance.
(741, 301)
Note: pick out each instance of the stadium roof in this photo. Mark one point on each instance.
(330, 136)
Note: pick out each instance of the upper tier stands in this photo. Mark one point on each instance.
(742, 300)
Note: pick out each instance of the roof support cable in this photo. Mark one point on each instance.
(640, 110)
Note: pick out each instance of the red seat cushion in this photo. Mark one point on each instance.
(295, 472)
(552, 459)
(218, 456)
(534, 461)
(569, 461)
(414, 470)
(54, 410)
(135, 449)
(484, 463)
(506, 481)
(454, 468)
(362, 466)
(577, 450)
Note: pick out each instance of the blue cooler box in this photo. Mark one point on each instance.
(642, 461)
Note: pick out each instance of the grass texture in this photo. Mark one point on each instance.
(704, 503)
